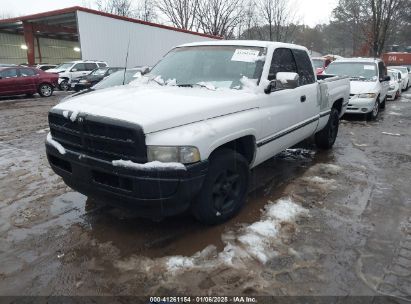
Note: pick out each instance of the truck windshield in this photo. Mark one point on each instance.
(355, 70)
(216, 66)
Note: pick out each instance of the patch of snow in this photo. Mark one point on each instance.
(74, 115)
(392, 134)
(207, 85)
(55, 144)
(178, 263)
(171, 82)
(395, 113)
(154, 165)
(250, 85)
(159, 80)
(43, 131)
(284, 210)
(66, 114)
(264, 228)
(330, 168)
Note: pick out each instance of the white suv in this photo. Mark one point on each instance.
(73, 69)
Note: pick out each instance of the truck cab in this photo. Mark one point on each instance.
(185, 135)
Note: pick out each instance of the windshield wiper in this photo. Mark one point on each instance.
(191, 85)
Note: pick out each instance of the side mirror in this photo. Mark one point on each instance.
(271, 87)
(386, 78)
(288, 80)
(74, 70)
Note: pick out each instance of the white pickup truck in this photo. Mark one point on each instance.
(186, 134)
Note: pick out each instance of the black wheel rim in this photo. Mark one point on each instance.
(64, 86)
(226, 191)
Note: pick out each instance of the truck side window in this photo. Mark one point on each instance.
(80, 67)
(305, 69)
(283, 61)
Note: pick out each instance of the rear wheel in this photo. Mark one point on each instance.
(224, 189)
(45, 90)
(325, 139)
(374, 113)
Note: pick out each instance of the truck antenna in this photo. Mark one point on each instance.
(125, 67)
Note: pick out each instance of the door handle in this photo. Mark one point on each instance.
(303, 98)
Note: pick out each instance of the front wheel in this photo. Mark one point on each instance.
(45, 90)
(374, 113)
(325, 139)
(224, 189)
(64, 86)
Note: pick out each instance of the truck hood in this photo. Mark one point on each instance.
(362, 87)
(156, 108)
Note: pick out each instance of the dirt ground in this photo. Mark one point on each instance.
(315, 223)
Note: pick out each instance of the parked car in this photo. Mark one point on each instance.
(116, 79)
(369, 83)
(320, 64)
(405, 76)
(395, 88)
(87, 81)
(186, 134)
(19, 80)
(45, 67)
(73, 69)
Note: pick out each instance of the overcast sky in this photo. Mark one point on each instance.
(312, 12)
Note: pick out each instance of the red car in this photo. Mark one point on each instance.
(320, 64)
(17, 80)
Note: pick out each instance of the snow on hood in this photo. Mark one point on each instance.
(54, 70)
(156, 108)
(362, 87)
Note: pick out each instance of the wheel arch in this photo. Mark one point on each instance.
(245, 145)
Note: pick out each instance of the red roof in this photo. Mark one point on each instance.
(91, 11)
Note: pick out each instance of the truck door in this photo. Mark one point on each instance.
(280, 125)
(307, 91)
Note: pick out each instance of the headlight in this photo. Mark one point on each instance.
(166, 154)
(392, 87)
(83, 81)
(367, 95)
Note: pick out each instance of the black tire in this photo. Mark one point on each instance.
(325, 139)
(64, 86)
(382, 104)
(224, 189)
(45, 90)
(374, 113)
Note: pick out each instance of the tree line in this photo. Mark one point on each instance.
(356, 27)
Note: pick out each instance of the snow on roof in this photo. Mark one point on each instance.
(251, 43)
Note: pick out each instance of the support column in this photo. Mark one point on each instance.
(29, 39)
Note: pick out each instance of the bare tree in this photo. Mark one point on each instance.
(181, 13)
(146, 10)
(248, 21)
(351, 16)
(220, 17)
(280, 16)
(117, 7)
(383, 13)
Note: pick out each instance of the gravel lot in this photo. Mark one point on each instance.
(347, 229)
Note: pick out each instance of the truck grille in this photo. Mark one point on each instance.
(99, 137)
